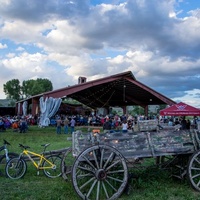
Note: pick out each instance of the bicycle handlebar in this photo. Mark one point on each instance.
(6, 142)
(27, 147)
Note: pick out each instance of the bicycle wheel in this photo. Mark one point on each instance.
(3, 162)
(54, 171)
(16, 168)
(67, 163)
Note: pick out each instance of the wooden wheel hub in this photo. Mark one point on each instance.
(101, 174)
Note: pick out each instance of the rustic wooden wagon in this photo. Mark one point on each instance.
(99, 162)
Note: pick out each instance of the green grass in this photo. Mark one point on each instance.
(151, 184)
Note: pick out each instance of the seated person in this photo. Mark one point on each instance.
(15, 126)
(107, 125)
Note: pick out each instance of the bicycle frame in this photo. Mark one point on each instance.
(41, 159)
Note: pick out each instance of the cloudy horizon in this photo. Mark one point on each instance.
(158, 41)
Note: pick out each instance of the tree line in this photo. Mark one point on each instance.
(13, 89)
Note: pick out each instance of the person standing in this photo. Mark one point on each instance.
(72, 124)
(107, 125)
(23, 125)
(188, 124)
(183, 123)
(124, 127)
(66, 124)
(58, 125)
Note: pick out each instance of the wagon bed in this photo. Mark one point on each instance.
(140, 144)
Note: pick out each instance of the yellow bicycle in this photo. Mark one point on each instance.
(51, 165)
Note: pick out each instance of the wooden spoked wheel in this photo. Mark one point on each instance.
(100, 172)
(193, 170)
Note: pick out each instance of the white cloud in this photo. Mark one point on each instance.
(3, 46)
(63, 40)
(10, 55)
(31, 31)
(20, 49)
(191, 97)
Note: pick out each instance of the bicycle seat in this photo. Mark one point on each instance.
(45, 145)
(24, 147)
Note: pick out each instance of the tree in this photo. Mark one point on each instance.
(42, 85)
(137, 110)
(34, 87)
(12, 89)
(29, 88)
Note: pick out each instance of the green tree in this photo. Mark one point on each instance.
(12, 89)
(163, 106)
(27, 88)
(137, 110)
(44, 85)
(34, 87)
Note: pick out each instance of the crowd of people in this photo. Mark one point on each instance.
(183, 122)
(116, 122)
(108, 122)
(17, 123)
(66, 123)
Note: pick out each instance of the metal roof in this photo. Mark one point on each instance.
(117, 90)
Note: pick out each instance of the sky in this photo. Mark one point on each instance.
(61, 40)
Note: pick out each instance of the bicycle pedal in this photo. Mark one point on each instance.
(38, 173)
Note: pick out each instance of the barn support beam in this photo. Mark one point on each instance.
(146, 110)
(35, 106)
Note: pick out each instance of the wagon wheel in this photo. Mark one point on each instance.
(193, 170)
(177, 164)
(100, 172)
(66, 164)
(180, 166)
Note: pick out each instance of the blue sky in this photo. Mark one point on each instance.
(158, 40)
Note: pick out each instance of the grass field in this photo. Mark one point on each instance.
(150, 184)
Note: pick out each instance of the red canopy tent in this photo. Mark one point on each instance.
(180, 109)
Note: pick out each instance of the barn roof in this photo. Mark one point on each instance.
(117, 90)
